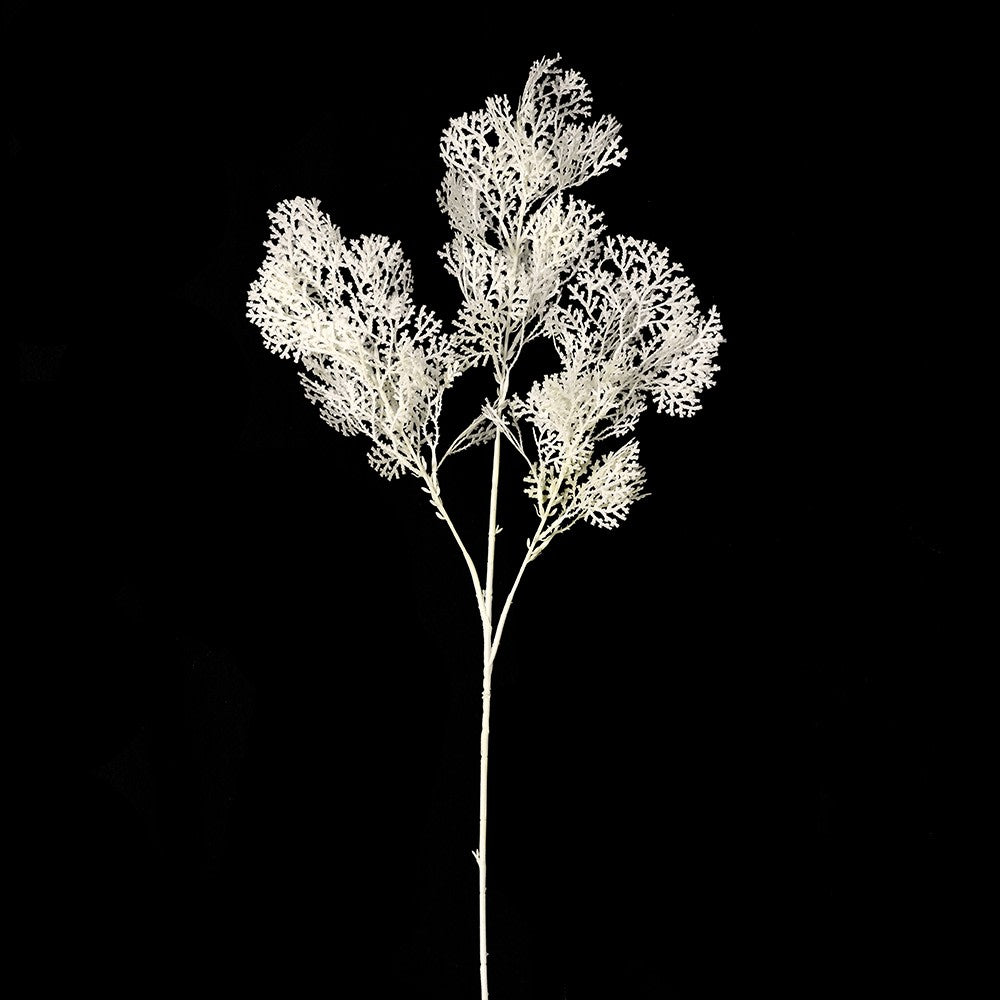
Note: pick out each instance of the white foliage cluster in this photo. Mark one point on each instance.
(373, 363)
(517, 239)
(506, 293)
(631, 330)
(531, 262)
(502, 162)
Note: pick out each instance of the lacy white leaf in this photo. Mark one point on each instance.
(615, 482)
(505, 296)
(374, 364)
(631, 330)
(501, 163)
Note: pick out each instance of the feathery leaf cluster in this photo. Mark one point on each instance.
(532, 261)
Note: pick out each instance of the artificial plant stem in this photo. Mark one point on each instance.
(484, 739)
(498, 630)
(481, 852)
(492, 538)
(473, 573)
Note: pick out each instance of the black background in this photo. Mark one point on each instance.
(723, 736)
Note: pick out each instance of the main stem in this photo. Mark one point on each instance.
(484, 739)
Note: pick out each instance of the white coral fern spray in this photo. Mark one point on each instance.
(531, 262)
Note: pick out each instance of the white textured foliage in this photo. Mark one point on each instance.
(374, 364)
(631, 330)
(531, 262)
(635, 318)
(506, 295)
(502, 162)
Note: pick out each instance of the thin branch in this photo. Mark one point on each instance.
(442, 513)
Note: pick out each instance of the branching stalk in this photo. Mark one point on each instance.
(531, 263)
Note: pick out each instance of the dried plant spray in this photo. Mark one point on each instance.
(532, 261)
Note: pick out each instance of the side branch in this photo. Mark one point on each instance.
(476, 433)
(544, 534)
(442, 514)
(534, 549)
